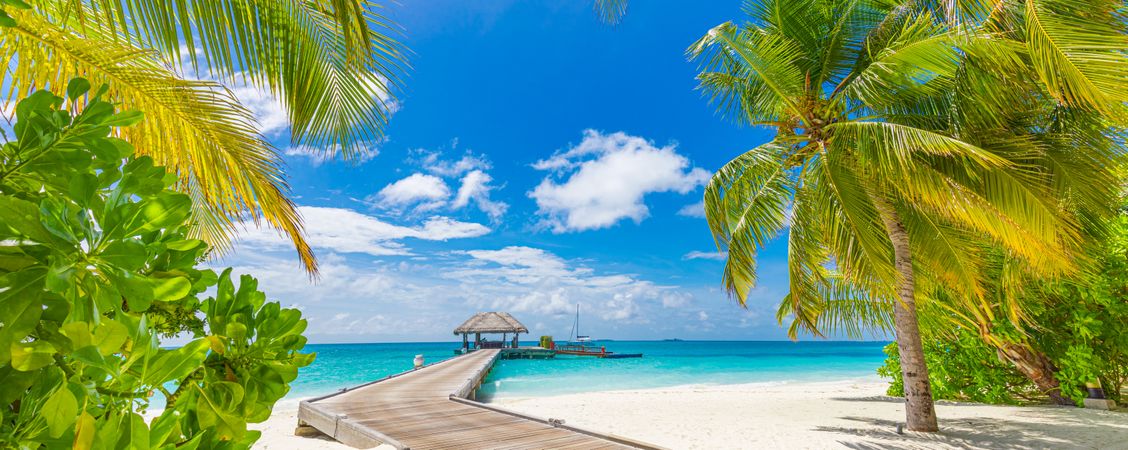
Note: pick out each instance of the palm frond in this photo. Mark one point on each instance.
(854, 231)
(768, 58)
(807, 257)
(887, 148)
(334, 64)
(840, 310)
(196, 129)
(611, 12)
(745, 205)
(920, 58)
(1080, 49)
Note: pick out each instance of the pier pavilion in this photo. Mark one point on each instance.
(490, 323)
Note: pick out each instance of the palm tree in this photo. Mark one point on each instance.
(332, 64)
(903, 142)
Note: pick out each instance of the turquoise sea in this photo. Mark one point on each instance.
(664, 364)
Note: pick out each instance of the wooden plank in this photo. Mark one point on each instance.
(417, 409)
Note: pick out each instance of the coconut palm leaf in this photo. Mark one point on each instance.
(197, 129)
(611, 11)
(1079, 51)
(746, 207)
(333, 64)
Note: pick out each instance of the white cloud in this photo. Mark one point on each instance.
(445, 228)
(317, 156)
(346, 231)
(702, 316)
(360, 298)
(476, 186)
(693, 210)
(433, 163)
(526, 279)
(607, 178)
(719, 256)
(425, 192)
(272, 117)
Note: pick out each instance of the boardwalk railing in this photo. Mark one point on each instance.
(431, 408)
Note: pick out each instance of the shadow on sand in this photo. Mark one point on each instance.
(1042, 428)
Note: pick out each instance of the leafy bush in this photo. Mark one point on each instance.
(962, 369)
(1079, 326)
(96, 264)
(1083, 325)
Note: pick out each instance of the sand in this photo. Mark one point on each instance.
(848, 414)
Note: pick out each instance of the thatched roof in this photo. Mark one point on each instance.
(491, 322)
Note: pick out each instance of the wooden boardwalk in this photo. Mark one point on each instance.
(429, 408)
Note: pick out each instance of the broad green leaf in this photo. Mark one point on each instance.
(28, 356)
(16, 383)
(77, 87)
(60, 276)
(165, 428)
(109, 336)
(127, 254)
(20, 306)
(82, 188)
(23, 217)
(172, 365)
(125, 119)
(137, 290)
(84, 432)
(218, 408)
(185, 244)
(170, 289)
(60, 411)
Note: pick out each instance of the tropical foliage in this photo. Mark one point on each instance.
(914, 142)
(332, 64)
(96, 264)
(963, 368)
(1076, 324)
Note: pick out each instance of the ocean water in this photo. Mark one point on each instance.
(664, 364)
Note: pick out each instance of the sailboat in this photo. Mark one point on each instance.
(582, 345)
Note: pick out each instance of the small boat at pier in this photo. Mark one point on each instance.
(583, 346)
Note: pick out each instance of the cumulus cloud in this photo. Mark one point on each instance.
(476, 187)
(693, 210)
(269, 112)
(433, 163)
(317, 156)
(357, 297)
(428, 191)
(346, 231)
(606, 178)
(424, 192)
(526, 279)
(719, 256)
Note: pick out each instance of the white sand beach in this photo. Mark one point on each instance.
(847, 414)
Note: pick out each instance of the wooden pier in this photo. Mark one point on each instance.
(433, 408)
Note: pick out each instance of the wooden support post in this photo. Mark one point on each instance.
(465, 344)
(477, 340)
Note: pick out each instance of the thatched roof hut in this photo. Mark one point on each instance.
(491, 322)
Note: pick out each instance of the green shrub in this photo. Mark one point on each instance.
(96, 264)
(963, 369)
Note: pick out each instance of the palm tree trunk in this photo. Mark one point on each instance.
(1037, 367)
(920, 413)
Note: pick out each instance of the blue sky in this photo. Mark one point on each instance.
(537, 159)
